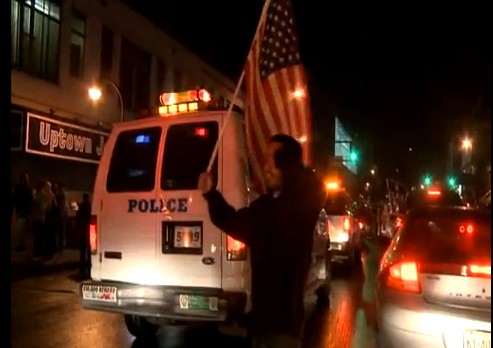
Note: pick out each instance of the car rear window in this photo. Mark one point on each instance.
(337, 204)
(455, 235)
(444, 199)
(133, 161)
(187, 151)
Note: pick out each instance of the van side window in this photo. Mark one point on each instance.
(133, 162)
(187, 151)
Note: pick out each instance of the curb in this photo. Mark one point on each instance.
(23, 270)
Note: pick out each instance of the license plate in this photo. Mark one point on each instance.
(198, 302)
(477, 339)
(335, 246)
(188, 237)
(99, 293)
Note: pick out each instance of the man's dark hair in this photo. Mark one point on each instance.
(290, 155)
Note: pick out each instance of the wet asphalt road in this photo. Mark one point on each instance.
(46, 313)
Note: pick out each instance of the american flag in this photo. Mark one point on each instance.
(276, 88)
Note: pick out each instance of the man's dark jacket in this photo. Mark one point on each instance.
(279, 232)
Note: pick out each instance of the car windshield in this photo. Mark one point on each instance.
(458, 235)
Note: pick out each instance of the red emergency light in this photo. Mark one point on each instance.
(182, 102)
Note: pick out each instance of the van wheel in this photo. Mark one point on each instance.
(323, 293)
(139, 327)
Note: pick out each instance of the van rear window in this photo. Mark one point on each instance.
(133, 162)
(187, 151)
(337, 203)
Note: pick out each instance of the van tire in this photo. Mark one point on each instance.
(139, 327)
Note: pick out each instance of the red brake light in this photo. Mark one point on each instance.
(346, 224)
(201, 132)
(403, 276)
(434, 193)
(236, 250)
(204, 95)
(93, 234)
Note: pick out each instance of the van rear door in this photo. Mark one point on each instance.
(189, 252)
(336, 207)
(128, 212)
(154, 223)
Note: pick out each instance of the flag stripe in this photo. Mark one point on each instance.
(273, 73)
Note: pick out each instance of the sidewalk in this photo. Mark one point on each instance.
(21, 266)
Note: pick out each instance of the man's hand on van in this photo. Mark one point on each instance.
(205, 182)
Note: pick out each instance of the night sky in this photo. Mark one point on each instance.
(403, 76)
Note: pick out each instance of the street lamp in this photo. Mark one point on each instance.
(466, 144)
(299, 93)
(95, 93)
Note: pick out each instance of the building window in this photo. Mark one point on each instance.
(178, 81)
(135, 77)
(107, 39)
(16, 130)
(160, 77)
(77, 39)
(35, 33)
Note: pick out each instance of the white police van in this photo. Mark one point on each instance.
(156, 256)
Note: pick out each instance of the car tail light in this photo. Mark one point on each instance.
(469, 228)
(93, 234)
(236, 250)
(403, 276)
(480, 270)
(346, 224)
(398, 223)
(327, 226)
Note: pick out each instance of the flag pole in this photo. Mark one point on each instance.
(263, 15)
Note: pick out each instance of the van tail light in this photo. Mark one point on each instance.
(93, 234)
(402, 276)
(346, 224)
(398, 223)
(327, 227)
(235, 250)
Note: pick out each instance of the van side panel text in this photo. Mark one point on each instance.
(179, 205)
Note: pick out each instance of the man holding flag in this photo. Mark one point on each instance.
(278, 226)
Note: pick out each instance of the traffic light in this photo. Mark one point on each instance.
(427, 180)
(353, 156)
(452, 182)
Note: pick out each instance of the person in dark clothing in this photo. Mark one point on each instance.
(51, 225)
(23, 200)
(62, 207)
(83, 220)
(278, 227)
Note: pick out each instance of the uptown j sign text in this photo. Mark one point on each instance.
(48, 137)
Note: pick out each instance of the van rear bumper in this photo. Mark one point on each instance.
(191, 304)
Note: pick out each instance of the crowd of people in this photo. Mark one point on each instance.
(39, 218)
